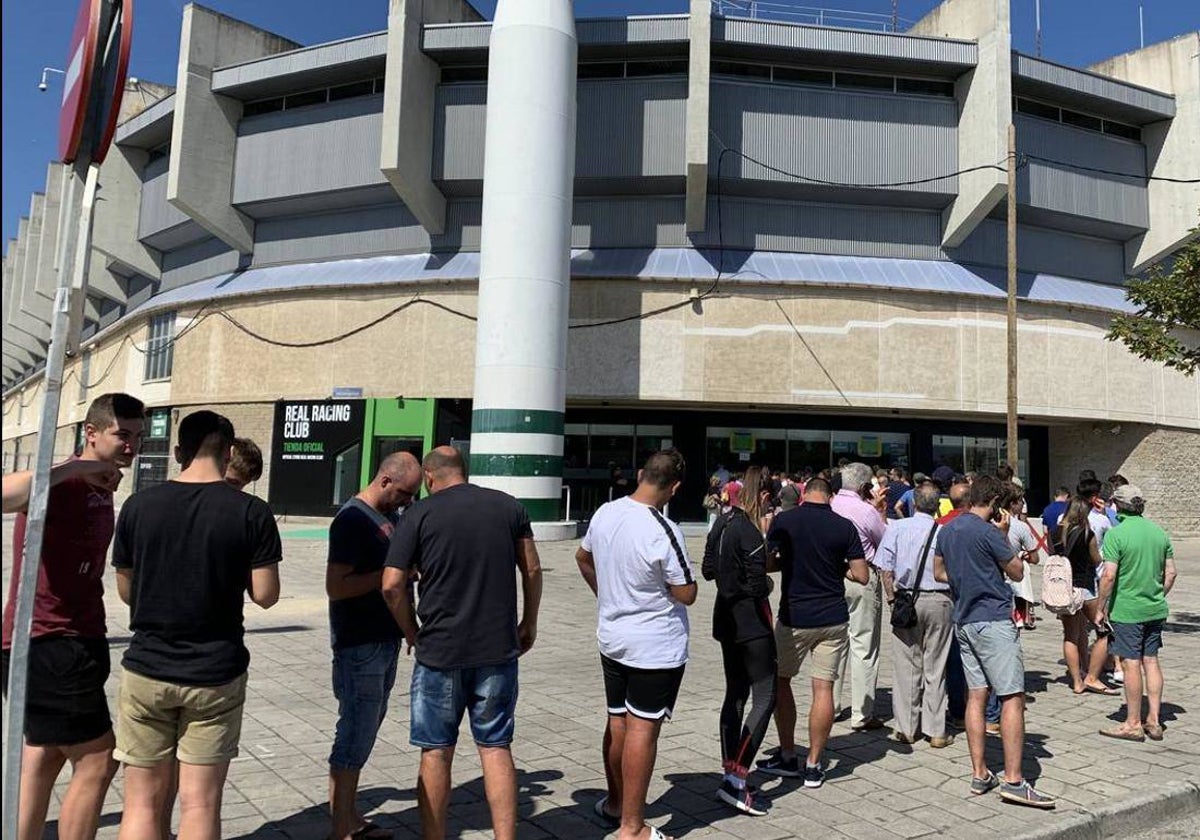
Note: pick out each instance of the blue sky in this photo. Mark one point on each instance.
(1076, 32)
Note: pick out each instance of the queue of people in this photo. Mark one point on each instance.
(950, 554)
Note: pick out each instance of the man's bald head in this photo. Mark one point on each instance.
(444, 466)
(396, 483)
(399, 466)
(959, 491)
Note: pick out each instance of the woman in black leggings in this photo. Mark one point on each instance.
(736, 557)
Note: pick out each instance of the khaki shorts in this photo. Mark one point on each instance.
(828, 646)
(157, 721)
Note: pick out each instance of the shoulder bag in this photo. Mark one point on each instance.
(904, 607)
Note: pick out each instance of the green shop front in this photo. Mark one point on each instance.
(325, 451)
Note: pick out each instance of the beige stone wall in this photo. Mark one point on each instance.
(1161, 462)
(861, 350)
(252, 420)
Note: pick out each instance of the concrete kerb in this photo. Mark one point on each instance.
(1124, 816)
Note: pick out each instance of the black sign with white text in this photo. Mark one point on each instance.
(316, 455)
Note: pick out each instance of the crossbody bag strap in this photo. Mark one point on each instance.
(916, 590)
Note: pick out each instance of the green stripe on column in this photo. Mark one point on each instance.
(483, 463)
(543, 510)
(516, 420)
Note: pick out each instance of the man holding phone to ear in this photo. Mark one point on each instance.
(973, 555)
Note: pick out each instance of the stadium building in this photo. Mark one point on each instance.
(789, 248)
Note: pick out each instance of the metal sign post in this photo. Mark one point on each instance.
(95, 80)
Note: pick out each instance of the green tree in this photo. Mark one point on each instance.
(1166, 326)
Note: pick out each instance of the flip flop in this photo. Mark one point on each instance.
(599, 811)
(1106, 691)
(371, 831)
(655, 834)
(1122, 734)
(1154, 731)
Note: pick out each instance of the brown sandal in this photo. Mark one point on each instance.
(1154, 731)
(1123, 734)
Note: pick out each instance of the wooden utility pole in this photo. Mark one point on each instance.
(1011, 414)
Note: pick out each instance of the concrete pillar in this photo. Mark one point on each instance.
(204, 127)
(115, 222)
(30, 302)
(46, 280)
(14, 273)
(984, 107)
(525, 254)
(699, 65)
(410, 85)
(1172, 146)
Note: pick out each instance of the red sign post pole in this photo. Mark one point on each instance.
(98, 60)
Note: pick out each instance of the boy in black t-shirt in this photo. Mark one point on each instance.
(186, 553)
(365, 637)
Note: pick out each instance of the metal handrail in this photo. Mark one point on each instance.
(810, 15)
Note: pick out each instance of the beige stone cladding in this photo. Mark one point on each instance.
(252, 420)
(1162, 462)
(822, 347)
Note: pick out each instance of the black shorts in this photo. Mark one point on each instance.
(644, 693)
(65, 702)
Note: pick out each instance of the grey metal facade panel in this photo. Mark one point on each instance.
(386, 228)
(822, 39)
(633, 30)
(624, 127)
(459, 127)
(156, 213)
(631, 127)
(456, 36)
(145, 129)
(823, 229)
(650, 222)
(309, 150)
(641, 29)
(365, 231)
(1046, 251)
(301, 61)
(196, 262)
(1080, 81)
(1111, 198)
(833, 135)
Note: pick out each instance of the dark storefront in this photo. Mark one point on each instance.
(603, 443)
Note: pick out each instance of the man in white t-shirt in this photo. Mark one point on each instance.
(634, 560)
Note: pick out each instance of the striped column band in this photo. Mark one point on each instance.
(520, 452)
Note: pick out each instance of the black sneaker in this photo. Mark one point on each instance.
(777, 765)
(814, 777)
(740, 798)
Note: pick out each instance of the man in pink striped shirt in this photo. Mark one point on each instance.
(864, 600)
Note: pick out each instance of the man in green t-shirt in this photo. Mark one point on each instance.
(1139, 571)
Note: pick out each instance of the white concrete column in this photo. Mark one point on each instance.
(525, 259)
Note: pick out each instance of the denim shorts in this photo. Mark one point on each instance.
(363, 676)
(487, 694)
(1135, 641)
(991, 656)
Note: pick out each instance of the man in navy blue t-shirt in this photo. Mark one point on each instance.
(365, 637)
(974, 556)
(817, 551)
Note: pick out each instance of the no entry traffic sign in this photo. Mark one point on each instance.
(97, 62)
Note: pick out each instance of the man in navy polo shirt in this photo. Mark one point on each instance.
(817, 551)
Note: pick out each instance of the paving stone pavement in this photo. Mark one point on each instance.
(877, 789)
